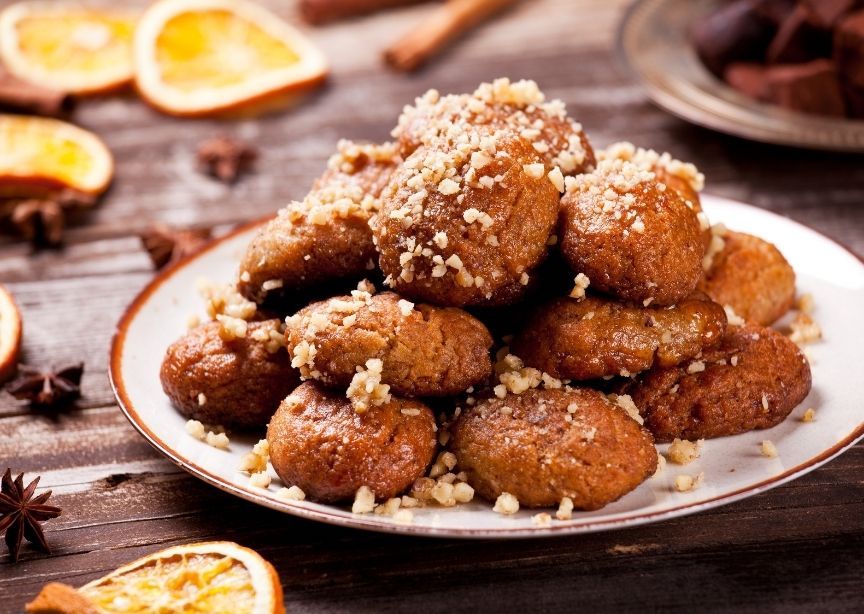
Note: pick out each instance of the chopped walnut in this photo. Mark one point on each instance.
(260, 479)
(565, 509)
(223, 299)
(403, 517)
(293, 493)
(196, 429)
(682, 452)
(733, 318)
(219, 441)
(685, 483)
(717, 244)
(257, 459)
(581, 283)
(506, 504)
(364, 501)
(542, 519)
(768, 449)
(389, 507)
(366, 389)
(809, 415)
(625, 402)
(697, 366)
(804, 329)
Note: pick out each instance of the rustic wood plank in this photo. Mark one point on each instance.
(798, 547)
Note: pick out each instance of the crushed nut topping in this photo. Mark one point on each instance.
(292, 493)
(682, 452)
(366, 389)
(565, 509)
(768, 449)
(581, 283)
(506, 504)
(685, 483)
(364, 501)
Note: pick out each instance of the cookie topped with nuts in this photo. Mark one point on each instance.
(491, 211)
(519, 107)
(326, 236)
(630, 234)
(467, 225)
(422, 350)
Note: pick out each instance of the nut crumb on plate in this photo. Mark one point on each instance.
(768, 449)
(685, 483)
(506, 504)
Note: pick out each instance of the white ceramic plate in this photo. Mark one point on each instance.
(733, 466)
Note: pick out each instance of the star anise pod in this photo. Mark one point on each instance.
(166, 245)
(41, 220)
(21, 513)
(225, 157)
(47, 389)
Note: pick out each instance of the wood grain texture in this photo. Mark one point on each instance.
(799, 547)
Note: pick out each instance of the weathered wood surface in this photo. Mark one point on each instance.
(800, 546)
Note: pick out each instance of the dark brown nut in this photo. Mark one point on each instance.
(425, 350)
(798, 40)
(812, 87)
(738, 32)
(466, 225)
(235, 383)
(319, 443)
(543, 445)
(598, 337)
(631, 235)
(752, 380)
(752, 277)
(519, 107)
(326, 237)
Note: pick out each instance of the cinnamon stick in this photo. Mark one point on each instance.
(448, 22)
(322, 11)
(23, 97)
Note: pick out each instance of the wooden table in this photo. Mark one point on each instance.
(799, 546)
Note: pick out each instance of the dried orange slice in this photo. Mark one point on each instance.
(208, 57)
(37, 152)
(67, 47)
(10, 335)
(219, 577)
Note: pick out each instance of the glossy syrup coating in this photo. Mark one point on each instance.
(597, 337)
(634, 237)
(682, 177)
(235, 383)
(466, 224)
(425, 350)
(319, 443)
(751, 380)
(519, 107)
(546, 444)
(750, 275)
(326, 237)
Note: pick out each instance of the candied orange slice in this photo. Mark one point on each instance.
(206, 57)
(67, 47)
(38, 152)
(213, 577)
(10, 335)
